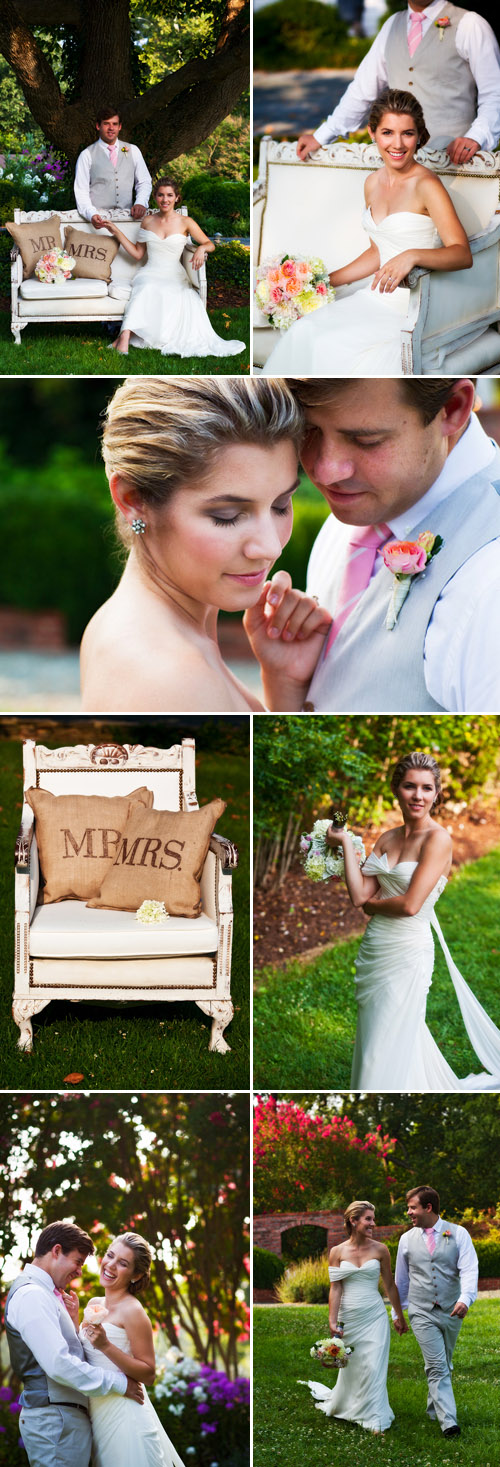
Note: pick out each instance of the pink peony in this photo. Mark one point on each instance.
(404, 557)
(277, 294)
(288, 267)
(95, 1311)
(274, 275)
(294, 287)
(321, 288)
(302, 268)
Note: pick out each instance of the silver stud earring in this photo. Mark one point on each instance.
(138, 526)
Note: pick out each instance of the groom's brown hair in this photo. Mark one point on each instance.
(69, 1237)
(425, 1196)
(427, 394)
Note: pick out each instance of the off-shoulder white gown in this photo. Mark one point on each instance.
(394, 1049)
(165, 310)
(360, 1390)
(124, 1433)
(358, 334)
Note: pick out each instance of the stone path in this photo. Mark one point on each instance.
(287, 103)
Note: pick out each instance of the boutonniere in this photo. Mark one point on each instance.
(442, 25)
(406, 559)
(124, 148)
(446, 1234)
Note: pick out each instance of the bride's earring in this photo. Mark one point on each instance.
(138, 526)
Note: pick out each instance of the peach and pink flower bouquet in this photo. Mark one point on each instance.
(54, 267)
(407, 559)
(291, 287)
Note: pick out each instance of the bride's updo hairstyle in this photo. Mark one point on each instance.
(401, 104)
(162, 433)
(142, 1261)
(353, 1212)
(417, 760)
(168, 182)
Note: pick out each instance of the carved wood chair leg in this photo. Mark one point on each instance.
(221, 1012)
(23, 1010)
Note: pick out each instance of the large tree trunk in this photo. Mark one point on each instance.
(171, 118)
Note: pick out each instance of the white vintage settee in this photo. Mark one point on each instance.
(66, 950)
(80, 299)
(315, 208)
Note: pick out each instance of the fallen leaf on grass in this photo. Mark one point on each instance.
(72, 1079)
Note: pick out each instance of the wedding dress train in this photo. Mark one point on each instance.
(124, 1433)
(394, 1049)
(360, 1390)
(165, 310)
(358, 334)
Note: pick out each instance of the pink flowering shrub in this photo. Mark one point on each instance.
(312, 1162)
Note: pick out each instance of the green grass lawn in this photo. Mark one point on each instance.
(83, 351)
(289, 1430)
(305, 1014)
(115, 1046)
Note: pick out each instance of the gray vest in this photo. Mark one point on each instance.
(433, 1280)
(436, 74)
(111, 188)
(370, 669)
(39, 1388)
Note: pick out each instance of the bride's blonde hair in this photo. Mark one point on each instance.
(417, 760)
(162, 433)
(354, 1211)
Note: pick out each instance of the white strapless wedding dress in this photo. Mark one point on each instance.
(124, 1433)
(394, 1049)
(359, 333)
(165, 310)
(360, 1390)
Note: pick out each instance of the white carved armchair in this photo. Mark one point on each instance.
(79, 299)
(66, 950)
(452, 321)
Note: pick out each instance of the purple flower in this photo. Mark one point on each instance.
(206, 1427)
(5, 1393)
(15, 1407)
(202, 1408)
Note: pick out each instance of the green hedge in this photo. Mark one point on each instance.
(303, 34)
(230, 265)
(308, 516)
(267, 1268)
(220, 205)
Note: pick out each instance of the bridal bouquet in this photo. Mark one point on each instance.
(54, 267)
(95, 1311)
(332, 1352)
(320, 862)
(291, 287)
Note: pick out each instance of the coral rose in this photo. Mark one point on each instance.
(404, 557)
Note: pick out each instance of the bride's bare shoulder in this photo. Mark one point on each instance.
(387, 840)
(335, 1255)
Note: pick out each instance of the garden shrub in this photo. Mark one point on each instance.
(308, 517)
(206, 1415)
(305, 1282)
(5, 248)
(221, 205)
(230, 265)
(267, 1268)
(12, 1453)
(488, 1252)
(303, 33)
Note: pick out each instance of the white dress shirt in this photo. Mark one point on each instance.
(461, 649)
(476, 44)
(35, 1313)
(142, 179)
(467, 1265)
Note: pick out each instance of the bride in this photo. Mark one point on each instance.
(360, 1392)
(410, 221)
(202, 472)
(165, 310)
(123, 1431)
(398, 887)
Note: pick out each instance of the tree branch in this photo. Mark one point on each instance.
(212, 71)
(30, 65)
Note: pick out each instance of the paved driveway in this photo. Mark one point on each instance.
(287, 103)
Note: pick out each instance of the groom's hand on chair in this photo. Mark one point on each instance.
(307, 144)
(134, 1390)
(462, 150)
(138, 211)
(460, 1310)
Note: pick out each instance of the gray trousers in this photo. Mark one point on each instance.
(56, 1436)
(437, 1336)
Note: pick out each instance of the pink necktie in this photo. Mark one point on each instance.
(113, 153)
(363, 547)
(430, 1239)
(415, 31)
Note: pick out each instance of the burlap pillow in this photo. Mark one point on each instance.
(35, 239)
(93, 253)
(161, 858)
(77, 838)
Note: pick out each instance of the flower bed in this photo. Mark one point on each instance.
(205, 1414)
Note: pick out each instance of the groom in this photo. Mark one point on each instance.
(41, 1321)
(110, 172)
(395, 458)
(449, 58)
(436, 1275)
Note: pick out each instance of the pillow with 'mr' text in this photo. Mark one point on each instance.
(77, 838)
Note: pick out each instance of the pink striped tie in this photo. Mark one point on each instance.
(415, 31)
(430, 1239)
(363, 547)
(113, 153)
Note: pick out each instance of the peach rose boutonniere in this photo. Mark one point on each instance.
(442, 25)
(406, 559)
(446, 1234)
(124, 148)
